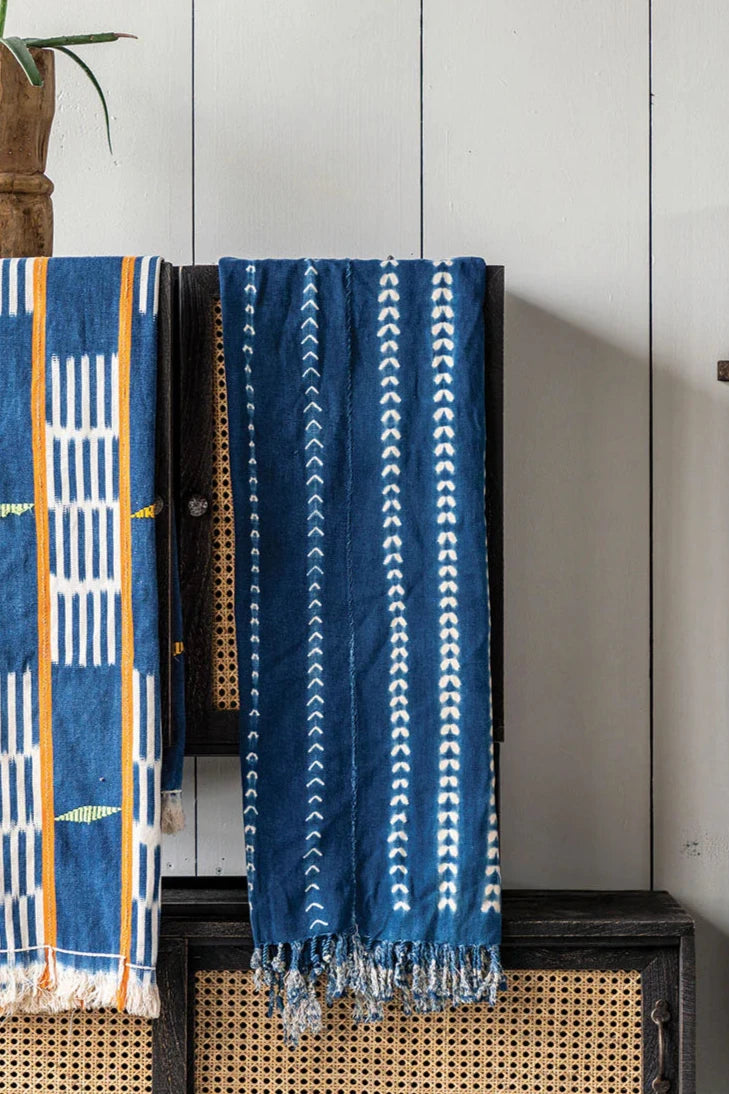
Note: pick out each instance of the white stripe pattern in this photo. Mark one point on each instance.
(492, 885)
(146, 824)
(250, 798)
(392, 558)
(314, 473)
(449, 684)
(143, 284)
(81, 455)
(20, 819)
(9, 286)
(145, 280)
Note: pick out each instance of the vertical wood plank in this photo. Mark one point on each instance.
(307, 119)
(536, 156)
(220, 817)
(169, 1036)
(138, 200)
(691, 500)
(178, 850)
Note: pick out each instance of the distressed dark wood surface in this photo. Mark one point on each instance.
(687, 1013)
(647, 932)
(208, 731)
(659, 983)
(527, 913)
(169, 1034)
(166, 353)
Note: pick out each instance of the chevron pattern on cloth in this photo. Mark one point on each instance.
(357, 441)
(79, 663)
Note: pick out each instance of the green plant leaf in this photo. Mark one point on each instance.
(21, 53)
(76, 39)
(3, 13)
(82, 64)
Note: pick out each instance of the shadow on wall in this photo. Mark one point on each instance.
(691, 634)
(575, 763)
(712, 998)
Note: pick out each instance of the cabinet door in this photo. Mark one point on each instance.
(205, 516)
(604, 1018)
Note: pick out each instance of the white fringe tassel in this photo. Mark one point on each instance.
(424, 976)
(173, 815)
(26, 990)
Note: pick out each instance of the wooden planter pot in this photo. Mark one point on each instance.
(26, 114)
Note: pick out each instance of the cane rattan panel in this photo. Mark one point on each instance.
(225, 647)
(93, 1052)
(552, 1032)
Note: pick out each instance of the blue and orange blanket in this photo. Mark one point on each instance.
(355, 410)
(80, 795)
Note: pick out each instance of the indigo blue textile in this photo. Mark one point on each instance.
(356, 417)
(79, 661)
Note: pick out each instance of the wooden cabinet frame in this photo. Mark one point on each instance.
(206, 926)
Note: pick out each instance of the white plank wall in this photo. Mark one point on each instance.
(536, 156)
(306, 118)
(179, 852)
(307, 140)
(691, 493)
(138, 200)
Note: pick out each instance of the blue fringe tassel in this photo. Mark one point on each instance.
(424, 976)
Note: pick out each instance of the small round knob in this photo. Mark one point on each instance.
(197, 505)
(158, 506)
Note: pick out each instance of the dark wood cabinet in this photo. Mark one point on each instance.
(600, 1002)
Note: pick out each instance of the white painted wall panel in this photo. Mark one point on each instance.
(307, 118)
(138, 201)
(220, 847)
(179, 850)
(536, 156)
(691, 500)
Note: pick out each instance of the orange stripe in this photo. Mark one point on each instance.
(40, 491)
(126, 301)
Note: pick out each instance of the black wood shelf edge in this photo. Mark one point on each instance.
(546, 913)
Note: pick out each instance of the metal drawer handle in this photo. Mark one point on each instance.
(661, 1015)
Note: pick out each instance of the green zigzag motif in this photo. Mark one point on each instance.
(85, 814)
(15, 508)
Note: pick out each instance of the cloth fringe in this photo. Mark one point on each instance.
(173, 815)
(26, 989)
(424, 976)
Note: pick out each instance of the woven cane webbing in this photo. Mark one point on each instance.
(225, 647)
(552, 1032)
(95, 1052)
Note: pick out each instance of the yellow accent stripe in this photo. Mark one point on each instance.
(148, 511)
(126, 300)
(178, 648)
(40, 491)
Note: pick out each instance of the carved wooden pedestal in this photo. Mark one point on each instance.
(26, 114)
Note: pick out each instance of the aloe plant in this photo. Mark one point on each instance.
(20, 49)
